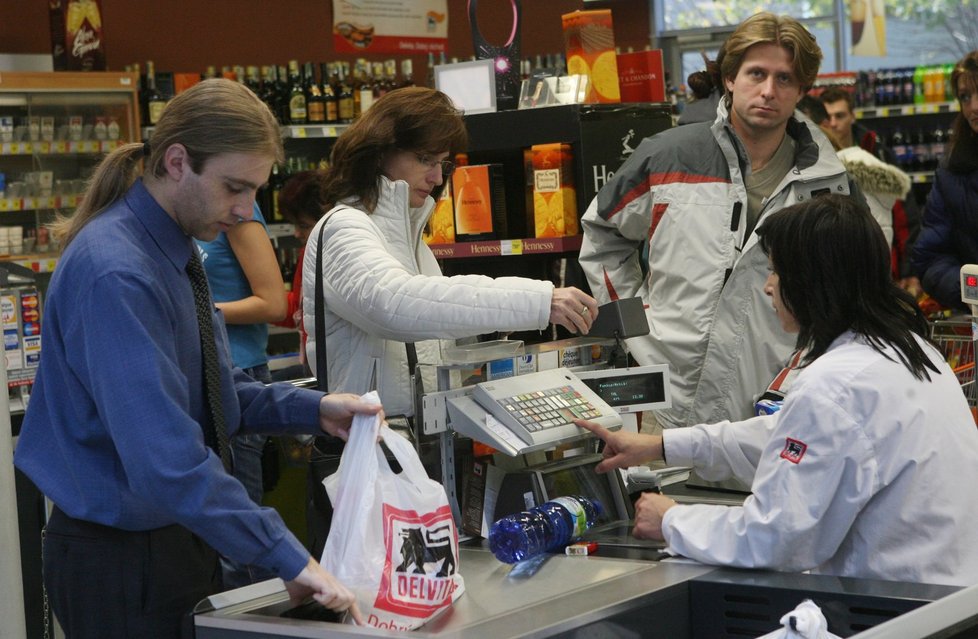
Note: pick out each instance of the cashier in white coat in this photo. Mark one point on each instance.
(869, 468)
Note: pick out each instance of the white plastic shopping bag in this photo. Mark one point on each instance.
(804, 622)
(392, 540)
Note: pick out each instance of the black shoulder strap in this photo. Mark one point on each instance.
(322, 374)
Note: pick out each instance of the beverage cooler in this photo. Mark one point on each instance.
(54, 129)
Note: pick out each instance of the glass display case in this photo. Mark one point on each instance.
(54, 128)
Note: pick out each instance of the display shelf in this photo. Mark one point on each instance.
(302, 131)
(39, 263)
(291, 131)
(503, 248)
(59, 147)
(41, 203)
(921, 177)
(899, 110)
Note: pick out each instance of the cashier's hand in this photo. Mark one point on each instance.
(623, 449)
(336, 412)
(325, 588)
(649, 511)
(573, 309)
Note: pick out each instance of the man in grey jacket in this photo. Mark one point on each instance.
(696, 194)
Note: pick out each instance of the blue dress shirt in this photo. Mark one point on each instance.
(113, 431)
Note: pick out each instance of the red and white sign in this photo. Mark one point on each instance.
(390, 26)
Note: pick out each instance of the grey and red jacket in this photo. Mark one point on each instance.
(683, 192)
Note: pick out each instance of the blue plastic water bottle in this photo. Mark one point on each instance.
(544, 528)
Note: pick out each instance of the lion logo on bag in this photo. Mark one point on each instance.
(420, 569)
(434, 545)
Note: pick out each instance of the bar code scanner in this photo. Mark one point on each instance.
(620, 319)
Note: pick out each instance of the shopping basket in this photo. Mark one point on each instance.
(953, 336)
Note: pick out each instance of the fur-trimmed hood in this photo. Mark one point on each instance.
(873, 175)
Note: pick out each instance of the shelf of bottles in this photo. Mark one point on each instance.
(509, 247)
(866, 113)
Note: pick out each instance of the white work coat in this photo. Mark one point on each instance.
(865, 472)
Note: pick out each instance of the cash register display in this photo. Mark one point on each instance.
(632, 389)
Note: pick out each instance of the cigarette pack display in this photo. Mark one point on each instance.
(589, 42)
(554, 193)
(480, 202)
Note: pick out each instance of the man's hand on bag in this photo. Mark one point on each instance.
(336, 412)
(573, 309)
(325, 588)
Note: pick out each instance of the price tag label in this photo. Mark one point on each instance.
(25, 147)
(60, 146)
(299, 132)
(29, 204)
(43, 147)
(5, 204)
(511, 247)
(330, 132)
(6, 148)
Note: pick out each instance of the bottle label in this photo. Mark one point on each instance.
(155, 111)
(576, 509)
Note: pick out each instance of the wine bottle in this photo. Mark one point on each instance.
(154, 101)
(297, 95)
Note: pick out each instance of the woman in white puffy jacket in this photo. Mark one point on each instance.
(381, 284)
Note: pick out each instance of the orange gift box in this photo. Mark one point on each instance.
(480, 202)
(441, 225)
(554, 196)
(589, 42)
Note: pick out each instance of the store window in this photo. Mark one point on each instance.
(918, 32)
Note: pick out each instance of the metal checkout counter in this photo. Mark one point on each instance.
(624, 590)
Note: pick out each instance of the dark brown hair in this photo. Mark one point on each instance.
(411, 119)
(963, 154)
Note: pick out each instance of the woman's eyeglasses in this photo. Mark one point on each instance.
(447, 166)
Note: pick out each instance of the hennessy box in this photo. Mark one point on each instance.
(554, 195)
(640, 76)
(589, 42)
(480, 202)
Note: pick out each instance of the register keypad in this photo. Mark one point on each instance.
(548, 408)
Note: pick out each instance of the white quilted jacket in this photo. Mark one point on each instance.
(383, 287)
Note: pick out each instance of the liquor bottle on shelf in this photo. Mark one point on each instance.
(407, 73)
(380, 80)
(297, 95)
(154, 101)
(141, 88)
(315, 101)
(331, 107)
(346, 105)
(390, 77)
(430, 78)
(365, 88)
(253, 79)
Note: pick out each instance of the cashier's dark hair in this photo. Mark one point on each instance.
(833, 266)
(415, 119)
(212, 117)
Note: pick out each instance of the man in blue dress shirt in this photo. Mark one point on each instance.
(118, 426)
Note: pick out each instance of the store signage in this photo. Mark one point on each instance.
(390, 26)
